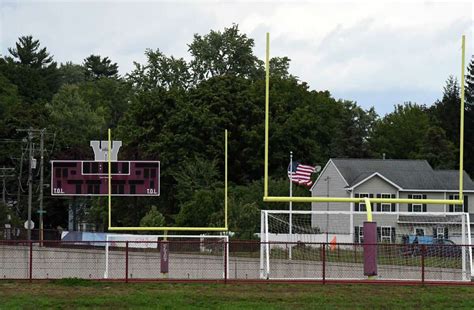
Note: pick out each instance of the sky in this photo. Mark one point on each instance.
(375, 53)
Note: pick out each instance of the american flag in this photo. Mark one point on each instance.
(301, 174)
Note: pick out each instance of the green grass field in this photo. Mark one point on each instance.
(70, 293)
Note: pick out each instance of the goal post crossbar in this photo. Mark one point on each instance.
(372, 200)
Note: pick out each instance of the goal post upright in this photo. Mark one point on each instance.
(267, 110)
(461, 125)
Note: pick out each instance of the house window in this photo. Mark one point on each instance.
(419, 231)
(386, 207)
(386, 234)
(359, 234)
(458, 208)
(440, 232)
(417, 207)
(360, 207)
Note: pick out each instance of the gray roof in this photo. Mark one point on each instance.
(406, 173)
(450, 179)
(432, 219)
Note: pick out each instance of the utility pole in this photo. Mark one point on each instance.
(31, 162)
(41, 184)
(30, 180)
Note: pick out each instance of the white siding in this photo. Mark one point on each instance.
(429, 195)
(376, 185)
(336, 189)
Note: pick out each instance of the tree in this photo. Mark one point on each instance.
(161, 71)
(400, 134)
(437, 149)
(113, 96)
(354, 129)
(97, 67)
(469, 118)
(153, 218)
(70, 73)
(28, 52)
(222, 53)
(32, 70)
(196, 173)
(446, 111)
(469, 87)
(74, 121)
(8, 100)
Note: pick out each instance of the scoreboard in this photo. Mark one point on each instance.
(90, 178)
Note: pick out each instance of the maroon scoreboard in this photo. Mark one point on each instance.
(90, 178)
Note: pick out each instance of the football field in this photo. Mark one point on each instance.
(72, 293)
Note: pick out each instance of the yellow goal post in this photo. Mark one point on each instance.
(367, 201)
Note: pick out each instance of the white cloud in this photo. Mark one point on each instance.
(405, 50)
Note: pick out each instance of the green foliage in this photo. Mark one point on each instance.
(27, 52)
(446, 111)
(8, 100)
(469, 118)
(469, 88)
(437, 149)
(196, 173)
(153, 218)
(70, 73)
(111, 96)
(160, 71)
(32, 70)
(222, 53)
(400, 133)
(354, 130)
(97, 67)
(74, 120)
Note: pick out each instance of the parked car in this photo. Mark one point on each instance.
(431, 247)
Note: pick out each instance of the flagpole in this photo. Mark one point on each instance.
(291, 203)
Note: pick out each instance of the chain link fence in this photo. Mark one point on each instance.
(220, 260)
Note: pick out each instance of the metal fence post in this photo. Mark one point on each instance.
(423, 264)
(355, 253)
(31, 261)
(324, 263)
(126, 262)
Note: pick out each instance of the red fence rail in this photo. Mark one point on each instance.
(234, 261)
